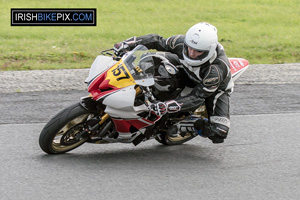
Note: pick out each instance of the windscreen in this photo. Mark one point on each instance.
(139, 63)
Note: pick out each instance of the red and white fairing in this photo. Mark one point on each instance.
(120, 107)
(237, 67)
(113, 84)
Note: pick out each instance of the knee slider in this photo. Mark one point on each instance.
(218, 133)
(220, 130)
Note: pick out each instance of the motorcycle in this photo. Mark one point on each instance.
(118, 109)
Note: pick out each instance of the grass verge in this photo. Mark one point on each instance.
(261, 31)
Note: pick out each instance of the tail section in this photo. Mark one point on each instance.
(237, 67)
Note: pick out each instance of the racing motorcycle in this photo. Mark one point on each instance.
(118, 109)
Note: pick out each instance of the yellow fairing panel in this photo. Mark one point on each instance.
(119, 76)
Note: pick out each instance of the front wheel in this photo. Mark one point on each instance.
(165, 139)
(65, 131)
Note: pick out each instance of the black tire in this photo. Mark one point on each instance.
(165, 139)
(57, 136)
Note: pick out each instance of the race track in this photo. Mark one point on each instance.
(259, 160)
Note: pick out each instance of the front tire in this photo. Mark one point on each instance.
(63, 132)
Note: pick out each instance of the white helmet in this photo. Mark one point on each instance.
(200, 37)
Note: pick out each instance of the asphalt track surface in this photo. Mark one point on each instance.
(259, 160)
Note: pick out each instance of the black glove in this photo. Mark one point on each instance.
(120, 48)
(161, 108)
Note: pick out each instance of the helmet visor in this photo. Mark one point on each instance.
(203, 53)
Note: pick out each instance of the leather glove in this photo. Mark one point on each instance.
(162, 108)
(120, 48)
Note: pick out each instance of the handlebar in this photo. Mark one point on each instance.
(108, 53)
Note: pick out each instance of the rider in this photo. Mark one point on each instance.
(206, 65)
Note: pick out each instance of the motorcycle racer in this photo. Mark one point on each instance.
(207, 72)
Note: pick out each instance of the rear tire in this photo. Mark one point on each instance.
(165, 139)
(59, 134)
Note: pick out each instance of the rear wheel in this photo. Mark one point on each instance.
(65, 131)
(165, 139)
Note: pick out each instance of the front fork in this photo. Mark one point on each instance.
(93, 124)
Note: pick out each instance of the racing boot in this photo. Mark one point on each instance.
(200, 127)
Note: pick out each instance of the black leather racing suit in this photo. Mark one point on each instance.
(210, 81)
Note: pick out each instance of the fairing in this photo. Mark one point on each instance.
(237, 67)
(115, 86)
(134, 68)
